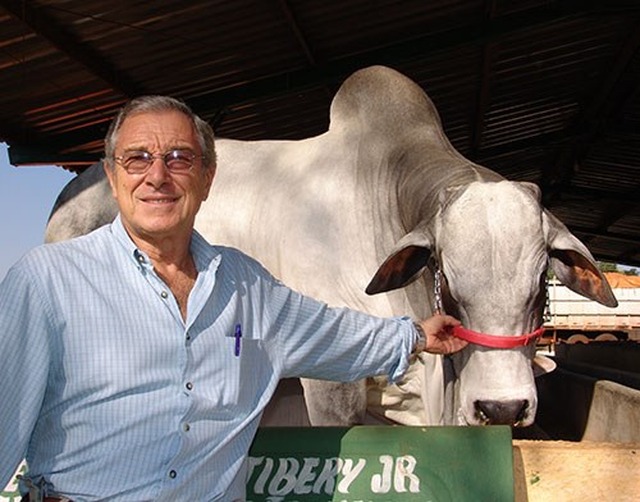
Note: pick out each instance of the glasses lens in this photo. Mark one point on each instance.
(136, 162)
(139, 161)
(179, 160)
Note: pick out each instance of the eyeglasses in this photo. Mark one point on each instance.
(139, 161)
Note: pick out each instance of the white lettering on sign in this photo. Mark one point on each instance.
(278, 477)
(405, 467)
(396, 472)
(350, 472)
(307, 476)
(285, 479)
(264, 475)
(326, 481)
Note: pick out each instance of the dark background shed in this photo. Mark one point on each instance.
(538, 90)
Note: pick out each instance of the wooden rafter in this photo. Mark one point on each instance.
(48, 28)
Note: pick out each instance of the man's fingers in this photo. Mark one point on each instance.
(438, 330)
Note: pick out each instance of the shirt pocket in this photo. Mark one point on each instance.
(235, 374)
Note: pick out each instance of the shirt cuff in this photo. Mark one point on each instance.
(409, 337)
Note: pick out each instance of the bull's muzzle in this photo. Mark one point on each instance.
(510, 412)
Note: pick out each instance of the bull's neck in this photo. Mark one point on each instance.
(419, 187)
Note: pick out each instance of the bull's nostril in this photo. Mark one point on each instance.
(511, 412)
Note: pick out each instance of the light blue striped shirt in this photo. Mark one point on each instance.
(111, 395)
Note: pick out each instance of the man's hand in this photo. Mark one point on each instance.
(438, 331)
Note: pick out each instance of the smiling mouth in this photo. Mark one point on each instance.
(160, 201)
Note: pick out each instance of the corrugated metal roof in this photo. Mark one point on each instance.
(538, 90)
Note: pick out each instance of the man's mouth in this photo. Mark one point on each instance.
(159, 200)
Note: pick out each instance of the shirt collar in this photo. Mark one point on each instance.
(204, 255)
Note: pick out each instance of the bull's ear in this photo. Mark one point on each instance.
(574, 265)
(403, 265)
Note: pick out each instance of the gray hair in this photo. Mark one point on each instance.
(146, 104)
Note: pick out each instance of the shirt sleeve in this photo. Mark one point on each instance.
(25, 323)
(340, 344)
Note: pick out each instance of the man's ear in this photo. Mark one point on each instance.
(109, 171)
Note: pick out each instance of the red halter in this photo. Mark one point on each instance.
(493, 341)
(497, 341)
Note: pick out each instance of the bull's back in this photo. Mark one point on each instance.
(298, 208)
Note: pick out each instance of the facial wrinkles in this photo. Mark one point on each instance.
(158, 137)
(159, 201)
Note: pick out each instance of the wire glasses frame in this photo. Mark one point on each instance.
(139, 161)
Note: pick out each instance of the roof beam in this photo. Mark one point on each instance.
(330, 73)
(545, 141)
(48, 28)
(625, 239)
(630, 257)
(482, 99)
(627, 200)
(592, 121)
(484, 85)
(293, 23)
(285, 7)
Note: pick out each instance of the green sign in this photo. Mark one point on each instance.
(381, 464)
(11, 492)
(376, 464)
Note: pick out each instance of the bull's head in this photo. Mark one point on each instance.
(493, 242)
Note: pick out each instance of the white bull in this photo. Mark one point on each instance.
(383, 199)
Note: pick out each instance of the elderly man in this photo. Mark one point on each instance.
(136, 361)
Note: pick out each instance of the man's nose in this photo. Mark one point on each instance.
(158, 172)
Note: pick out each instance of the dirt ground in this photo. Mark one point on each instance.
(562, 471)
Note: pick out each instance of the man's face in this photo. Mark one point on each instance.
(159, 204)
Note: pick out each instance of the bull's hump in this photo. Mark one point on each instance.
(379, 94)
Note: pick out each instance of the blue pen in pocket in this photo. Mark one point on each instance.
(238, 340)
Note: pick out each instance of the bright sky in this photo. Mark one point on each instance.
(27, 195)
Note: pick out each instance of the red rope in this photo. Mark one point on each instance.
(497, 341)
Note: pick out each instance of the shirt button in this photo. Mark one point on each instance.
(188, 338)
(189, 386)
(164, 295)
(186, 427)
(172, 474)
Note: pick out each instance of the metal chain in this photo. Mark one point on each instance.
(546, 316)
(437, 291)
